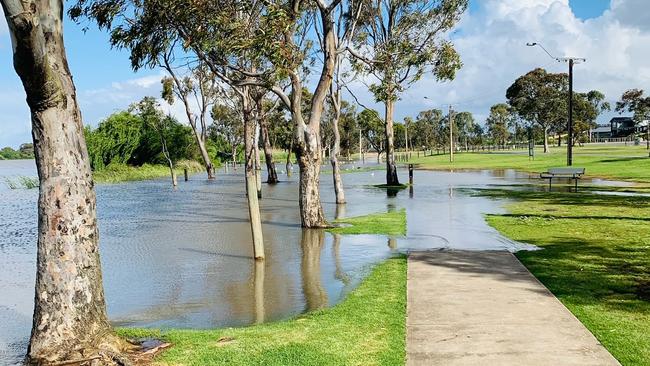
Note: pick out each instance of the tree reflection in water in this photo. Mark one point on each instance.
(312, 243)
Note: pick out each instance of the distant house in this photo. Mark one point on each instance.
(618, 127)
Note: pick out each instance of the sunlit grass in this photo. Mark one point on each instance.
(388, 223)
(367, 328)
(595, 259)
(602, 160)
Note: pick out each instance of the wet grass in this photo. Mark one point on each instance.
(115, 173)
(595, 259)
(388, 223)
(367, 328)
(607, 161)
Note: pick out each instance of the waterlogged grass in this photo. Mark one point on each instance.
(115, 173)
(595, 259)
(367, 328)
(600, 160)
(388, 223)
(22, 182)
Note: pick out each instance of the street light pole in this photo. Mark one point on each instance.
(571, 61)
(569, 147)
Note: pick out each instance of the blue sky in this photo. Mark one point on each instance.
(105, 81)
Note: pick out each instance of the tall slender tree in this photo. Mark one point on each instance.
(398, 42)
(70, 321)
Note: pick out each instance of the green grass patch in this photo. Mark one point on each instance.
(115, 173)
(595, 259)
(388, 223)
(367, 328)
(391, 186)
(22, 182)
(600, 160)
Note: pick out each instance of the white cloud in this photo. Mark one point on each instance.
(492, 44)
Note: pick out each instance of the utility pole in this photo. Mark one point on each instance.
(451, 133)
(571, 61)
(569, 148)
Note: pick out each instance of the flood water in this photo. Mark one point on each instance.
(183, 258)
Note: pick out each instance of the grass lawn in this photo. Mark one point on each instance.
(367, 328)
(595, 259)
(388, 223)
(600, 160)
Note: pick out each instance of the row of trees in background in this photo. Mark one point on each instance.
(25, 151)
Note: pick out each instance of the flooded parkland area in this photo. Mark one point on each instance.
(183, 258)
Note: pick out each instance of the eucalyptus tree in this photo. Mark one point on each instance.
(246, 44)
(464, 122)
(586, 109)
(636, 102)
(372, 128)
(227, 125)
(264, 109)
(540, 98)
(69, 320)
(200, 87)
(498, 122)
(398, 41)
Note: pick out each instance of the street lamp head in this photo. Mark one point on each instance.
(531, 44)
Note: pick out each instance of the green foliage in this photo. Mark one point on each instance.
(367, 328)
(372, 127)
(635, 102)
(497, 123)
(389, 223)
(25, 151)
(114, 140)
(404, 40)
(595, 256)
(115, 173)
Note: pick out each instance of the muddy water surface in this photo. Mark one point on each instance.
(183, 258)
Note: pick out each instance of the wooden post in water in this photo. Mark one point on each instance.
(186, 176)
(410, 174)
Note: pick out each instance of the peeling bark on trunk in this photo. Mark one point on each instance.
(309, 161)
(251, 181)
(69, 319)
(391, 168)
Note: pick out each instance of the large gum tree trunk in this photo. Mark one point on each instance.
(251, 181)
(258, 165)
(272, 175)
(309, 162)
(69, 321)
(391, 168)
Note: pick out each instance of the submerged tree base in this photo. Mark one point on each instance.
(367, 328)
(388, 223)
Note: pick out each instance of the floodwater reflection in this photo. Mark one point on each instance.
(183, 258)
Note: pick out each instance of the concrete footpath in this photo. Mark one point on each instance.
(485, 308)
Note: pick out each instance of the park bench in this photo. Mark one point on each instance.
(563, 173)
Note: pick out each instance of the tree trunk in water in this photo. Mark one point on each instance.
(172, 172)
(69, 319)
(334, 154)
(272, 175)
(309, 161)
(209, 168)
(258, 164)
(251, 183)
(391, 169)
(545, 139)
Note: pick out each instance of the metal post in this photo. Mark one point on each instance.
(569, 158)
(185, 172)
(411, 174)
